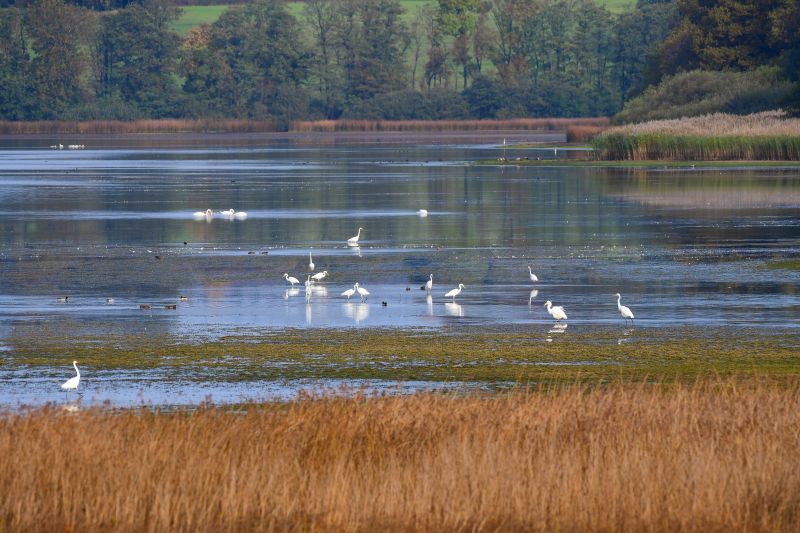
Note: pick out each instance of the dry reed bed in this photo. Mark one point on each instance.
(52, 127)
(521, 124)
(713, 456)
(769, 135)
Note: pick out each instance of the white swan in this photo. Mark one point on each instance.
(72, 383)
(208, 213)
(353, 241)
(556, 312)
(291, 279)
(364, 293)
(422, 213)
(227, 213)
(532, 275)
(319, 276)
(624, 310)
(240, 215)
(455, 292)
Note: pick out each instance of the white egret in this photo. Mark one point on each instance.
(532, 275)
(350, 292)
(319, 276)
(422, 213)
(353, 241)
(556, 312)
(72, 383)
(310, 262)
(308, 289)
(429, 284)
(455, 292)
(291, 279)
(364, 293)
(624, 310)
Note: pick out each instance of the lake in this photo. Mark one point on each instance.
(685, 246)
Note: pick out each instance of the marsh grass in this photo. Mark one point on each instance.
(715, 455)
(51, 127)
(718, 137)
(521, 124)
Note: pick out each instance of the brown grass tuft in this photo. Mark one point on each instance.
(520, 124)
(714, 456)
(583, 133)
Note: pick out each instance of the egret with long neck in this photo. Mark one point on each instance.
(624, 310)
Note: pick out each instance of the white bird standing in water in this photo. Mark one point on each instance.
(310, 262)
(308, 289)
(364, 293)
(319, 276)
(350, 292)
(624, 310)
(532, 275)
(455, 292)
(72, 383)
(429, 284)
(291, 279)
(556, 312)
(353, 241)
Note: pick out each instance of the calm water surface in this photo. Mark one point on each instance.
(684, 246)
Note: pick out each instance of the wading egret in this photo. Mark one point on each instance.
(291, 279)
(308, 289)
(350, 292)
(624, 310)
(319, 276)
(310, 262)
(534, 293)
(532, 275)
(455, 292)
(364, 293)
(72, 383)
(556, 312)
(353, 241)
(429, 284)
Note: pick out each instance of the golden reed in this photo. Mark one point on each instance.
(712, 456)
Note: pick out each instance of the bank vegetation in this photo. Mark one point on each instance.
(715, 455)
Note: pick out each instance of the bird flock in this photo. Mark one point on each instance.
(228, 214)
(556, 311)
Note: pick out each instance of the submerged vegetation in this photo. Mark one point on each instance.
(718, 137)
(500, 357)
(715, 455)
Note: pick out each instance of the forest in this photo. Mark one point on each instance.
(372, 59)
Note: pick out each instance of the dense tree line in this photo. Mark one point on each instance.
(121, 59)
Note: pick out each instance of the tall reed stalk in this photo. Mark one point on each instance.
(712, 456)
(762, 136)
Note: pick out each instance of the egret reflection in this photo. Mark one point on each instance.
(290, 292)
(534, 293)
(429, 301)
(453, 309)
(356, 312)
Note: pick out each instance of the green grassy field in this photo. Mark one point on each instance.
(195, 15)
